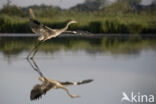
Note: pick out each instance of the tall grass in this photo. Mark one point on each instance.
(123, 23)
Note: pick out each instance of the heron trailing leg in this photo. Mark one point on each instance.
(35, 67)
(38, 70)
(35, 49)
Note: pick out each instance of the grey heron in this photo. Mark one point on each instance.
(45, 32)
(48, 84)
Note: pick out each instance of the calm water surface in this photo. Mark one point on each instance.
(112, 73)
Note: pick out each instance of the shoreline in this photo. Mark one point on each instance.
(81, 35)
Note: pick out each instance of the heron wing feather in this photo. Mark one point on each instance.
(39, 90)
(76, 83)
(40, 29)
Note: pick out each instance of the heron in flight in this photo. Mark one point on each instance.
(45, 32)
(48, 84)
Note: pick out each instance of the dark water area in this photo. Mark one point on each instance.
(116, 64)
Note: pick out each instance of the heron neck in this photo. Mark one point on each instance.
(67, 26)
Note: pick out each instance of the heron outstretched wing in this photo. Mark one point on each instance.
(39, 90)
(37, 27)
(31, 14)
(76, 83)
(40, 29)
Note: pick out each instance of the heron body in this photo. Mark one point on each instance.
(48, 84)
(45, 32)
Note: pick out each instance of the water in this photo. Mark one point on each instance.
(117, 67)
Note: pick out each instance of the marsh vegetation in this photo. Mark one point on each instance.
(119, 17)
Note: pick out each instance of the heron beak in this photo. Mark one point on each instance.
(75, 21)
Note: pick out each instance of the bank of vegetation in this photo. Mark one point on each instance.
(118, 17)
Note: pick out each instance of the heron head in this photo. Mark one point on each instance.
(72, 21)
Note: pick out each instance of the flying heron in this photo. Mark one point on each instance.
(48, 84)
(45, 32)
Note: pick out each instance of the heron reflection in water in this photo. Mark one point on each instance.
(48, 84)
(44, 31)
